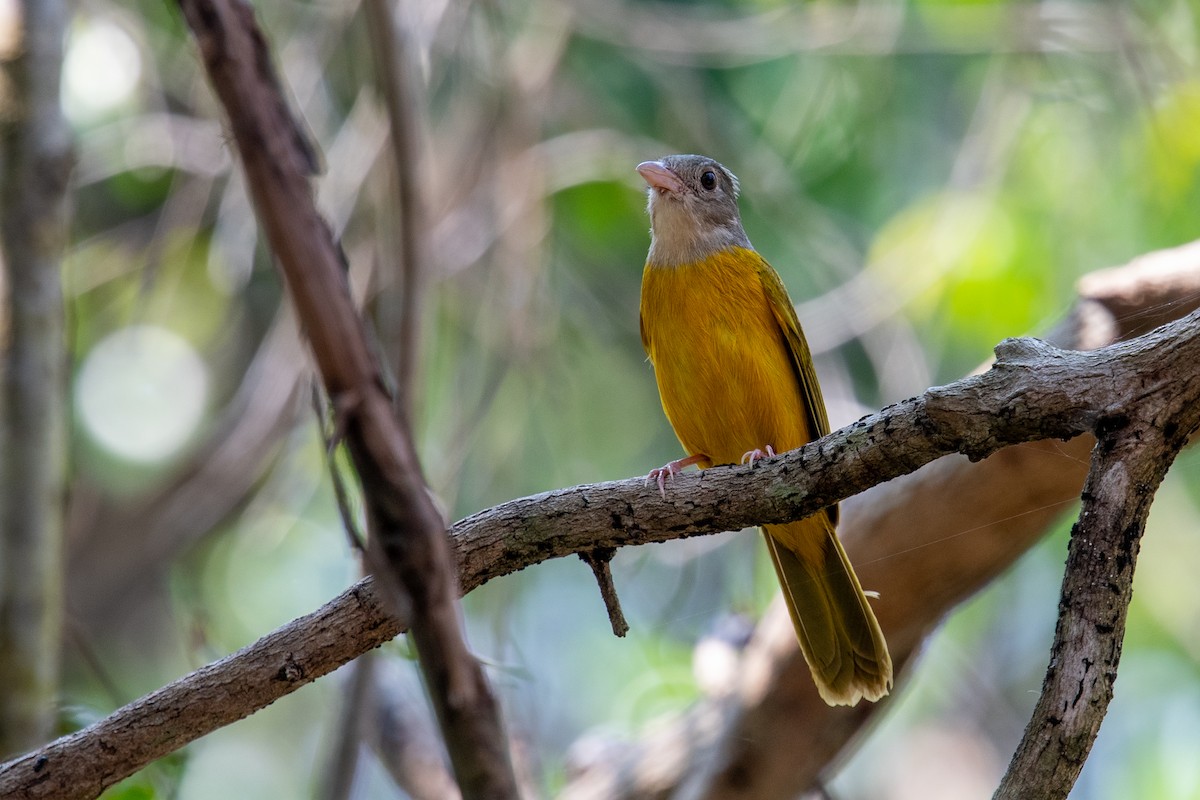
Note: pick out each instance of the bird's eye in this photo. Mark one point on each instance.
(709, 180)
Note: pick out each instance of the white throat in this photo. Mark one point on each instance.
(678, 236)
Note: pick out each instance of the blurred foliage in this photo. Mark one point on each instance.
(929, 177)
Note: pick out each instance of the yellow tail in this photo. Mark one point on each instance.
(837, 629)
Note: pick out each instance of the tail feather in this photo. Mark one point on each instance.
(838, 633)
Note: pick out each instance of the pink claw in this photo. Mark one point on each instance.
(659, 475)
(669, 470)
(750, 456)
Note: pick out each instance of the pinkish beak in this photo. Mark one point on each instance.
(659, 177)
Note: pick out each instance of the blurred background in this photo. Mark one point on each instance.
(928, 176)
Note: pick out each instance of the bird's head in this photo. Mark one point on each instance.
(693, 209)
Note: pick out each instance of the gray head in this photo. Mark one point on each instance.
(693, 209)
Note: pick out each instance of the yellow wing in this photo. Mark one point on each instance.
(802, 361)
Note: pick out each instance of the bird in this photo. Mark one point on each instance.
(737, 383)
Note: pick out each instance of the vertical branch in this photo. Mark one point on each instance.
(408, 548)
(400, 302)
(37, 158)
(1127, 468)
(400, 731)
(338, 783)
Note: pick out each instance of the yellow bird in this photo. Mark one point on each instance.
(736, 380)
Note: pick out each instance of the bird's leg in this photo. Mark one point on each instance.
(750, 456)
(660, 474)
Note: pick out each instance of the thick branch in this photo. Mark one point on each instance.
(408, 548)
(1034, 391)
(1136, 446)
(925, 541)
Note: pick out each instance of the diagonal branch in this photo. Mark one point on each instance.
(1033, 392)
(906, 540)
(408, 550)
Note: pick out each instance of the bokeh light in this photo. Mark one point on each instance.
(102, 70)
(141, 392)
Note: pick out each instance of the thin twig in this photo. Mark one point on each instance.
(346, 752)
(341, 496)
(393, 68)
(403, 737)
(600, 560)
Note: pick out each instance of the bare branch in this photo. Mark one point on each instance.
(600, 562)
(908, 544)
(400, 298)
(408, 551)
(1034, 391)
(1136, 445)
(906, 540)
(403, 737)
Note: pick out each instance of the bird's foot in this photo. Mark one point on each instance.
(660, 474)
(750, 456)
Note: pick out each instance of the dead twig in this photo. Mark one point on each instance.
(599, 560)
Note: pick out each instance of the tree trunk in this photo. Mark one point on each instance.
(35, 160)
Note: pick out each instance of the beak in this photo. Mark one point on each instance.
(659, 177)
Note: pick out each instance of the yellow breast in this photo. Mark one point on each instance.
(724, 370)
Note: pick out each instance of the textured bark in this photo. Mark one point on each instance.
(906, 540)
(36, 155)
(86, 762)
(1097, 587)
(1137, 443)
(775, 695)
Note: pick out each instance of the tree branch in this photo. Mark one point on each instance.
(399, 306)
(1034, 391)
(407, 549)
(906, 539)
(1137, 443)
(401, 733)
